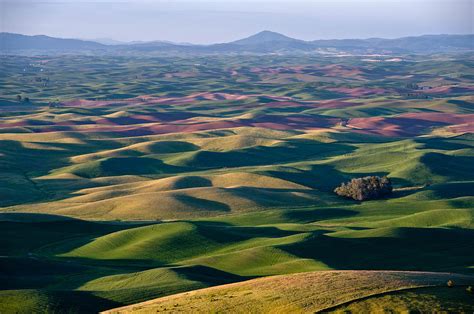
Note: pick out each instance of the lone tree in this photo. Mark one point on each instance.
(367, 188)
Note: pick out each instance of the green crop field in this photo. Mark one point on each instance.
(181, 182)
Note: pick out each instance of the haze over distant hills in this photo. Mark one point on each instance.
(260, 43)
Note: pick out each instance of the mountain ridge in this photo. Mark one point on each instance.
(261, 43)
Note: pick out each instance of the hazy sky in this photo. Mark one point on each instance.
(204, 21)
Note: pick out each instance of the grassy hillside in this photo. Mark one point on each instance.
(206, 183)
(127, 179)
(437, 299)
(127, 263)
(317, 291)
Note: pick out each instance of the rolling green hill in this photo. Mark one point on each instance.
(127, 179)
(319, 291)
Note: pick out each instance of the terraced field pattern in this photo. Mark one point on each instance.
(129, 179)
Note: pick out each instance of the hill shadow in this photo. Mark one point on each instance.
(57, 301)
(452, 167)
(209, 276)
(22, 237)
(443, 144)
(209, 205)
(222, 232)
(430, 249)
(314, 215)
(323, 177)
(20, 165)
(288, 151)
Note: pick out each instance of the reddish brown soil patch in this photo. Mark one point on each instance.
(447, 118)
(411, 124)
(164, 117)
(462, 128)
(449, 89)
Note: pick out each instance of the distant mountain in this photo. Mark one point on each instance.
(15, 42)
(266, 42)
(261, 43)
(428, 43)
(415, 44)
(107, 41)
(265, 37)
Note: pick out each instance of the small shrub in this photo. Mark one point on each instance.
(366, 188)
(450, 283)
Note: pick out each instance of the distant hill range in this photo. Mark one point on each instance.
(261, 43)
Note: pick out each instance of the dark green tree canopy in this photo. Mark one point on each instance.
(366, 188)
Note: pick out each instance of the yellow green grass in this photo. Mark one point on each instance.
(299, 293)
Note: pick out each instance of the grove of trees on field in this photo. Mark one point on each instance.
(366, 188)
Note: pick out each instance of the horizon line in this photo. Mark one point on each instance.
(119, 42)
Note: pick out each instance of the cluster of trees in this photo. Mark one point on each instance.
(366, 188)
(415, 95)
(24, 99)
(54, 104)
(412, 86)
(416, 86)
